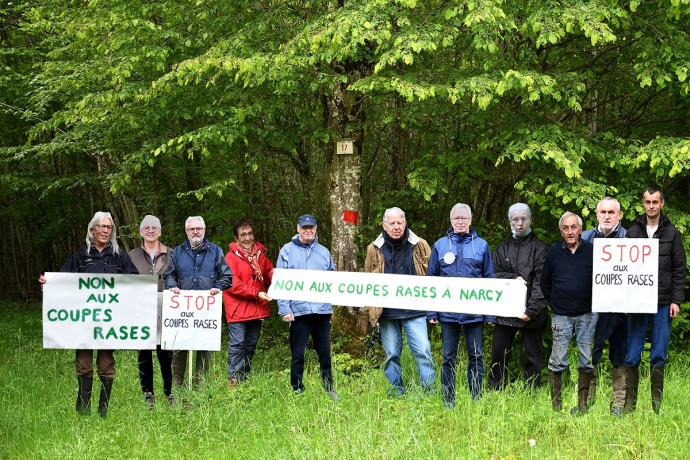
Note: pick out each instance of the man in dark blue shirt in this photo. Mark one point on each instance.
(566, 280)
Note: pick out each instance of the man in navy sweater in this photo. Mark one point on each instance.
(566, 280)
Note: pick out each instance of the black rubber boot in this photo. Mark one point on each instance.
(106, 388)
(656, 375)
(555, 382)
(583, 386)
(84, 394)
(592, 396)
(632, 379)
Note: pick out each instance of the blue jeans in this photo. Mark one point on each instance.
(450, 335)
(660, 334)
(417, 339)
(563, 327)
(614, 328)
(242, 339)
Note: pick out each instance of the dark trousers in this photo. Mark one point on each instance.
(243, 337)
(614, 328)
(450, 336)
(146, 369)
(501, 351)
(105, 363)
(319, 327)
(179, 364)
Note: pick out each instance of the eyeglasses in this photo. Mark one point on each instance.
(517, 220)
(105, 227)
(151, 228)
(246, 235)
(195, 229)
(464, 219)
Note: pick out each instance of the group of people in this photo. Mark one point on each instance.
(559, 276)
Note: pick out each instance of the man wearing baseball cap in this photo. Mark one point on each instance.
(307, 318)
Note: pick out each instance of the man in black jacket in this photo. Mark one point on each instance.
(671, 282)
(520, 257)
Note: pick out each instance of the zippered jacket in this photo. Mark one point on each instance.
(242, 302)
(146, 266)
(198, 269)
(376, 263)
(472, 260)
(93, 261)
(523, 257)
(672, 258)
(303, 256)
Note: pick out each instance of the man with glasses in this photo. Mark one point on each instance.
(151, 258)
(199, 265)
(463, 254)
(520, 257)
(610, 326)
(246, 302)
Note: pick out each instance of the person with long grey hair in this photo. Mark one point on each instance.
(99, 254)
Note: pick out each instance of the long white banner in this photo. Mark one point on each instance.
(191, 320)
(625, 278)
(481, 296)
(100, 311)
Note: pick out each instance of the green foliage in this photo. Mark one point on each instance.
(227, 109)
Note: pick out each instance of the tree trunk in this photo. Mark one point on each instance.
(345, 119)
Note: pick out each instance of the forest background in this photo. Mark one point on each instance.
(233, 109)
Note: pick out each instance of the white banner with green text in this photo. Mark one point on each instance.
(100, 311)
(480, 296)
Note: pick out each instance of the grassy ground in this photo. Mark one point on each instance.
(262, 419)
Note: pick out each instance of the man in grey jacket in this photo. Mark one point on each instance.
(307, 318)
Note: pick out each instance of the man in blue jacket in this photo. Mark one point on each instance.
(610, 326)
(463, 254)
(307, 318)
(566, 280)
(198, 265)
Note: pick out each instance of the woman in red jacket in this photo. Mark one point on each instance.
(246, 302)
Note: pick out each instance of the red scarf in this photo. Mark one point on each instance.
(252, 256)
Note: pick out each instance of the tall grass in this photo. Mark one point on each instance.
(263, 419)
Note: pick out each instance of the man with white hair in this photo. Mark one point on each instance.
(100, 254)
(197, 264)
(520, 257)
(610, 326)
(397, 250)
(152, 258)
(566, 280)
(307, 318)
(463, 254)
